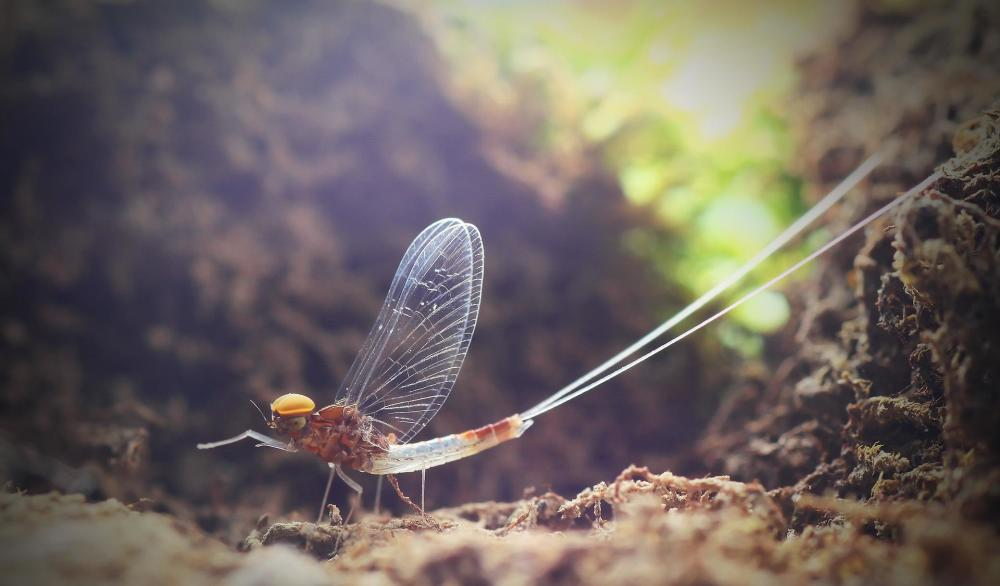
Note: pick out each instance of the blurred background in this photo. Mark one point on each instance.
(203, 203)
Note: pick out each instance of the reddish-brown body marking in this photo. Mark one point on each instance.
(337, 434)
(501, 430)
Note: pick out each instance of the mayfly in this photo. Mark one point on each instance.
(409, 363)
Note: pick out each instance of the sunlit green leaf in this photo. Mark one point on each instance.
(764, 313)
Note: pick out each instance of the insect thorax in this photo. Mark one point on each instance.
(341, 435)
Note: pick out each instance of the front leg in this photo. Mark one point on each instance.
(264, 440)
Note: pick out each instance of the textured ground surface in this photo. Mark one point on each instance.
(218, 218)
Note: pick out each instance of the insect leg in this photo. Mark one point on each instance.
(263, 439)
(423, 487)
(378, 496)
(348, 480)
(326, 495)
(354, 486)
(420, 511)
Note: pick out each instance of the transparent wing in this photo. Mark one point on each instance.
(410, 361)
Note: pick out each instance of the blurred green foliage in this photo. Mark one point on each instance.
(683, 101)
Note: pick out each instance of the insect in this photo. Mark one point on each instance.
(409, 363)
(404, 372)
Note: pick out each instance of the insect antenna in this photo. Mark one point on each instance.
(264, 417)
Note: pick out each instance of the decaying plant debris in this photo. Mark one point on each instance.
(665, 529)
(864, 451)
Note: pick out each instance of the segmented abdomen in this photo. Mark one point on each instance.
(441, 450)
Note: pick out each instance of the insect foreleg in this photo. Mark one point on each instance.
(263, 439)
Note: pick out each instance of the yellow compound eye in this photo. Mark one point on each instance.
(293, 404)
